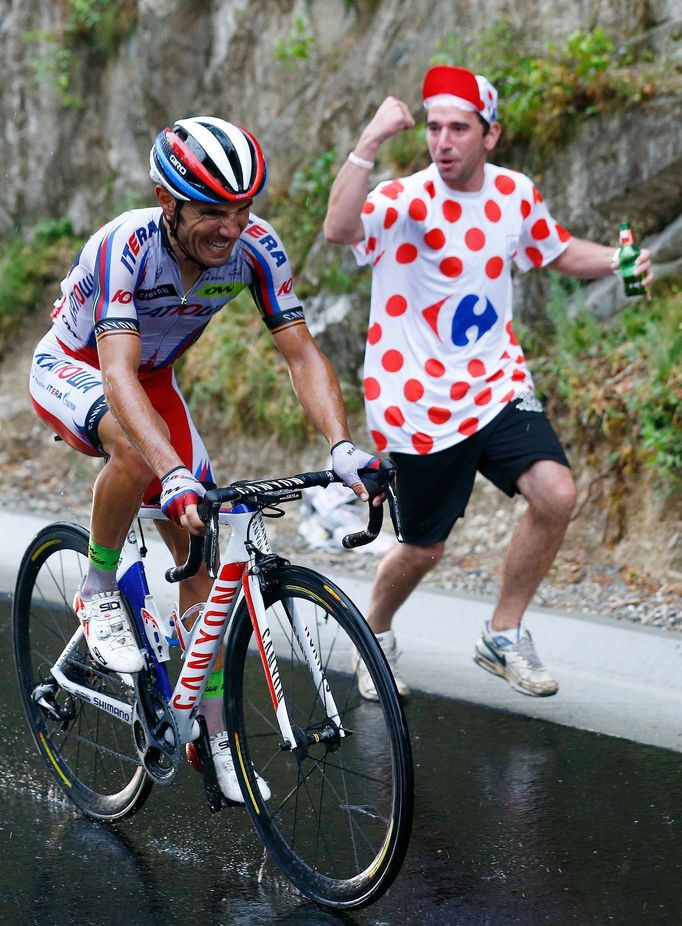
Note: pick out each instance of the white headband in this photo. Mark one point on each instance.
(447, 99)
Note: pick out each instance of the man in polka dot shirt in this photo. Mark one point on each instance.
(447, 389)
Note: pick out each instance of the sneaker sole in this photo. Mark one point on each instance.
(495, 668)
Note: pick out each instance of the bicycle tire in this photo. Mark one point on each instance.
(339, 819)
(91, 755)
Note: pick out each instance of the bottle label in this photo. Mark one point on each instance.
(626, 236)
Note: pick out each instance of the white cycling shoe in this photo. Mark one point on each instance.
(225, 773)
(107, 631)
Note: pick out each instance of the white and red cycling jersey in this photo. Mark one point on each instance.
(127, 277)
(441, 358)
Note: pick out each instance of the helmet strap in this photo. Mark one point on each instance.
(173, 223)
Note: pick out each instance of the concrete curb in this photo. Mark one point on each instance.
(619, 679)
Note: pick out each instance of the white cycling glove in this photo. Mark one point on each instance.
(347, 459)
(179, 489)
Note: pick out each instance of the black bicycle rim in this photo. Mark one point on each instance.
(339, 818)
(90, 754)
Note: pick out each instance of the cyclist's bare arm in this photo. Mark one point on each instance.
(316, 386)
(119, 356)
(342, 224)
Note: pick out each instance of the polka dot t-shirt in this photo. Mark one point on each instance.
(441, 358)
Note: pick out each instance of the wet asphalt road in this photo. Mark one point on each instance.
(518, 822)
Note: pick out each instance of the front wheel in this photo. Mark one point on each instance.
(339, 817)
(89, 752)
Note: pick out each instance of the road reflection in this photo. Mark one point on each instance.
(518, 823)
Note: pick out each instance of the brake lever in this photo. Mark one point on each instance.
(394, 511)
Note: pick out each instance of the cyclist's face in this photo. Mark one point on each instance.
(458, 146)
(209, 232)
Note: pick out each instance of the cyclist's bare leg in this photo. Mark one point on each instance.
(399, 573)
(117, 494)
(549, 489)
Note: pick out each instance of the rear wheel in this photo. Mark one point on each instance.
(90, 753)
(339, 818)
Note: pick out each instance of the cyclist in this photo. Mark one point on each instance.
(139, 294)
(447, 388)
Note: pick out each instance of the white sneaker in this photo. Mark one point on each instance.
(225, 773)
(107, 631)
(366, 687)
(518, 663)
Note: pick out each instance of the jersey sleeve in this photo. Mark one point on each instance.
(381, 212)
(542, 239)
(119, 264)
(272, 285)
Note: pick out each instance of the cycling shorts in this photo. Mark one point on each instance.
(68, 396)
(434, 490)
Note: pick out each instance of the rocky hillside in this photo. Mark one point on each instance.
(85, 87)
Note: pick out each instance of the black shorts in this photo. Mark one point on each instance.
(434, 490)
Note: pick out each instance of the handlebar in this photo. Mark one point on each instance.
(271, 491)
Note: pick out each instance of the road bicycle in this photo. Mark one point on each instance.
(339, 768)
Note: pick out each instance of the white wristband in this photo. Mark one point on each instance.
(615, 263)
(360, 162)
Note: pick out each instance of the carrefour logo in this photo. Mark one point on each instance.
(471, 318)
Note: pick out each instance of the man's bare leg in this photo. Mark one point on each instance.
(549, 489)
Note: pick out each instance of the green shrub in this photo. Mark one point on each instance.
(543, 97)
(618, 385)
(30, 266)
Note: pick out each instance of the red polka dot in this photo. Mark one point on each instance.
(394, 416)
(379, 441)
(476, 368)
(537, 195)
(468, 427)
(451, 267)
(434, 239)
(525, 208)
(374, 334)
(430, 188)
(451, 210)
(505, 184)
(484, 396)
(396, 305)
(505, 355)
(520, 359)
(493, 211)
(417, 210)
(534, 256)
(393, 189)
(518, 376)
(512, 337)
(406, 253)
(508, 397)
(367, 207)
(459, 390)
(562, 233)
(372, 388)
(475, 239)
(413, 390)
(392, 361)
(422, 443)
(540, 230)
(495, 376)
(494, 267)
(390, 217)
(371, 244)
(434, 367)
(439, 415)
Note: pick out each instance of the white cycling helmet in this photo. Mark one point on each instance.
(208, 159)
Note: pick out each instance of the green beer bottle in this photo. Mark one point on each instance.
(627, 255)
